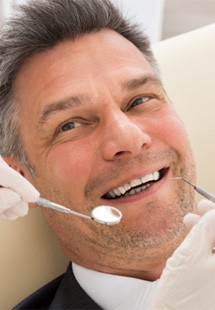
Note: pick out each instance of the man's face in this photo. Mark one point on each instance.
(99, 130)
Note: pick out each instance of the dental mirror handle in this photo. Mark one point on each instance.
(11, 179)
(52, 205)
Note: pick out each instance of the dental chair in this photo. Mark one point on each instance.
(30, 253)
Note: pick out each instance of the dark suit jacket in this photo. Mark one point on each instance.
(62, 293)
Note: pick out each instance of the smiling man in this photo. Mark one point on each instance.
(85, 118)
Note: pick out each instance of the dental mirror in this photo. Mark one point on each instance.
(102, 214)
(106, 215)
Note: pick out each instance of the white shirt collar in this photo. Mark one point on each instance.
(113, 291)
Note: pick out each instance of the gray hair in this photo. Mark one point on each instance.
(42, 24)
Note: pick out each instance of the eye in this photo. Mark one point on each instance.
(140, 100)
(70, 125)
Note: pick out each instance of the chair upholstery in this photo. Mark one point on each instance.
(30, 253)
(187, 64)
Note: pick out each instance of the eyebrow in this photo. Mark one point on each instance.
(132, 84)
(62, 105)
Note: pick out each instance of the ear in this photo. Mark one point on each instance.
(16, 165)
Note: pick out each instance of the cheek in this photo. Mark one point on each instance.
(71, 163)
(172, 131)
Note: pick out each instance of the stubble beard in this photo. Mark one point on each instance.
(141, 245)
(126, 245)
(137, 244)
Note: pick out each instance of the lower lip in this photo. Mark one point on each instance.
(153, 189)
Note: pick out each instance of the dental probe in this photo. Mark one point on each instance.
(199, 190)
(101, 214)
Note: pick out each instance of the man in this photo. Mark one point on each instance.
(85, 118)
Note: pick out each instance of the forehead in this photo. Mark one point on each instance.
(94, 57)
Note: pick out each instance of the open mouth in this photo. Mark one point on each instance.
(136, 186)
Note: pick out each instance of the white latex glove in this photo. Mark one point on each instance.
(203, 207)
(188, 281)
(15, 194)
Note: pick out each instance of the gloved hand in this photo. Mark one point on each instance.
(188, 281)
(15, 194)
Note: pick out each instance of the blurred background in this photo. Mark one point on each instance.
(161, 19)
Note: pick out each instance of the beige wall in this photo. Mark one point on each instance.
(181, 16)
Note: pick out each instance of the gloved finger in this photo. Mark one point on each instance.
(8, 198)
(11, 217)
(21, 209)
(15, 212)
(12, 179)
(204, 206)
(190, 220)
(203, 234)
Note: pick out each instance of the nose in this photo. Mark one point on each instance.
(123, 137)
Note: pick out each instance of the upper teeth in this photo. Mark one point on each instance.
(121, 190)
